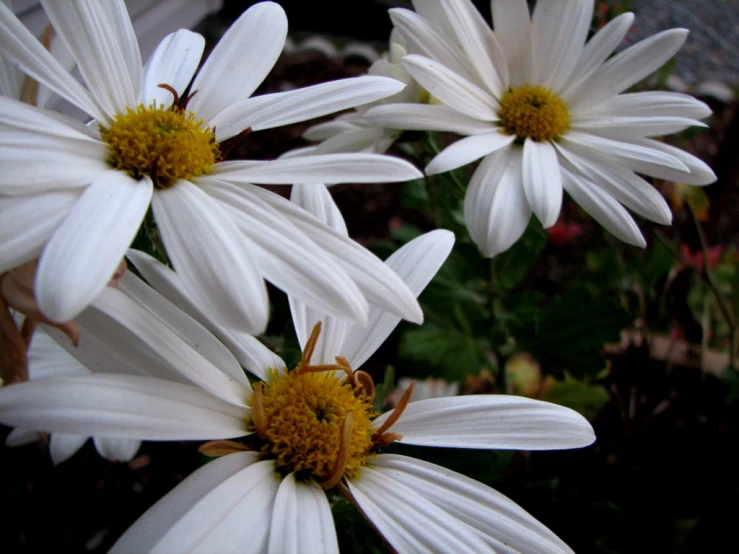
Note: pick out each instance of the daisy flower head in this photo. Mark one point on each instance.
(545, 111)
(308, 433)
(156, 142)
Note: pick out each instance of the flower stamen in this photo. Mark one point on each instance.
(533, 111)
(218, 448)
(377, 436)
(257, 410)
(343, 457)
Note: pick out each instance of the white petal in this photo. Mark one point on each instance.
(700, 172)
(416, 262)
(124, 406)
(286, 256)
(434, 43)
(63, 446)
(467, 150)
(27, 222)
(558, 32)
(233, 517)
(653, 103)
(481, 46)
(157, 520)
(408, 521)
(380, 285)
(327, 168)
(627, 68)
(173, 63)
(241, 60)
(602, 207)
(125, 37)
(368, 140)
(596, 51)
(323, 131)
(87, 247)
(116, 450)
(491, 421)
(423, 117)
(627, 128)
(495, 207)
(542, 182)
(499, 521)
(250, 353)
(40, 153)
(207, 250)
(453, 90)
(301, 519)
(162, 335)
(513, 30)
(187, 329)
(318, 201)
(19, 45)
(284, 108)
(10, 78)
(630, 149)
(621, 183)
(21, 437)
(92, 38)
(47, 359)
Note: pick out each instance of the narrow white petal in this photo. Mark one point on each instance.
(116, 450)
(173, 63)
(409, 521)
(241, 60)
(602, 207)
(379, 284)
(20, 46)
(157, 520)
(233, 517)
(542, 182)
(621, 183)
(416, 262)
(467, 150)
(326, 168)
(47, 359)
(558, 32)
(286, 256)
(627, 128)
(63, 446)
(284, 108)
(160, 333)
(453, 90)
(491, 421)
(626, 149)
(653, 103)
(513, 30)
(596, 51)
(27, 222)
(481, 46)
(87, 247)
(317, 201)
(92, 38)
(426, 39)
(495, 207)
(10, 78)
(250, 353)
(185, 327)
(499, 521)
(424, 117)
(301, 519)
(125, 37)
(21, 437)
(70, 159)
(627, 68)
(125, 406)
(369, 140)
(323, 131)
(700, 172)
(208, 251)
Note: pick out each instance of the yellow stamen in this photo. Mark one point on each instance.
(167, 144)
(340, 467)
(397, 412)
(533, 111)
(218, 448)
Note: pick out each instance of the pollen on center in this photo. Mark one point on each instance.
(533, 111)
(167, 144)
(304, 414)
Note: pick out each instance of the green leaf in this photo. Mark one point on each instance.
(457, 355)
(583, 397)
(511, 266)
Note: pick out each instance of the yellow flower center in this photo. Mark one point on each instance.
(167, 144)
(307, 419)
(533, 111)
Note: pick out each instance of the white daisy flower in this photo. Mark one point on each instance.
(352, 132)
(47, 359)
(546, 112)
(313, 431)
(76, 195)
